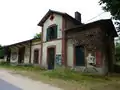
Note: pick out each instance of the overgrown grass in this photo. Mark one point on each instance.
(68, 79)
(25, 67)
(67, 74)
(61, 73)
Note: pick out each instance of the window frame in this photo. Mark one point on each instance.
(55, 35)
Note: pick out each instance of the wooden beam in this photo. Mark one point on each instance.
(26, 44)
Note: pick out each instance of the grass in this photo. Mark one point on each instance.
(67, 79)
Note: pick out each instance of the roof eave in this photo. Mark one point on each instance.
(47, 15)
(109, 21)
(60, 13)
(40, 24)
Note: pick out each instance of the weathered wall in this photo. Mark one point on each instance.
(14, 55)
(35, 45)
(36, 42)
(5, 58)
(27, 55)
(96, 52)
(57, 43)
(110, 48)
(70, 54)
(58, 21)
(87, 68)
(69, 24)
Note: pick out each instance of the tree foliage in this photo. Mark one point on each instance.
(117, 49)
(1, 52)
(112, 6)
(0, 46)
(37, 36)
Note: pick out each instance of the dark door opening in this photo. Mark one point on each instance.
(51, 57)
(8, 55)
(21, 55)
(36, 56)
(109, 58)
(79, 56)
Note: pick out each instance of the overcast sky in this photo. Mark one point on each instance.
(19, 18)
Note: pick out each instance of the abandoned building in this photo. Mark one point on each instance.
(26, 52)
(66, 41)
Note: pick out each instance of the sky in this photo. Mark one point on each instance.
(19, 18)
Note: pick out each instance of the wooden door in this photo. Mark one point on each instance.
(51, 58)
(79, 56)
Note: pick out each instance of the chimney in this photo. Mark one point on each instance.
(78, 16)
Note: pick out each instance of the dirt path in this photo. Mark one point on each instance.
(23, 82)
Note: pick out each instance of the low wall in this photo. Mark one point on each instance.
(2, 60)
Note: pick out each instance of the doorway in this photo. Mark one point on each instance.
(21, 55)
(51, 57)
(36, 56)
(79, 56)
(8, 55)
(109, 58)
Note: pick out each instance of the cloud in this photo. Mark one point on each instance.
(19, 18)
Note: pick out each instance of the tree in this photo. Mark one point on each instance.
(0, 46)
(112, 6)
(37, 36)
(117, 49)
(1, 52)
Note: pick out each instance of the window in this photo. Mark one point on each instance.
(51, 33)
